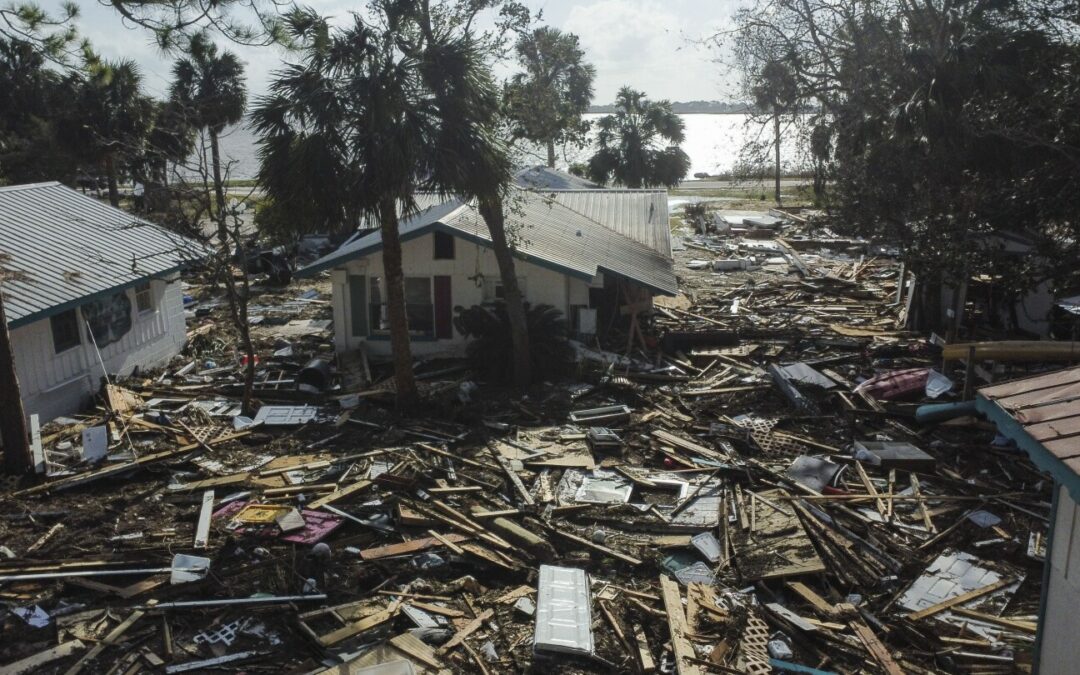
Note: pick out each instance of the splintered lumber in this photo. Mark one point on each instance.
(515, 480)
(959, 600)
(456, 519)
(877, 650)
(689, 446)
(114, 635)
(468, 630)
(34, 663)
(407, 547)
(1022, 626)
(1018, 350)
(645, 656)
(202, 529)
(366, 623)
(676, 618)
(823, 607)
(870, 489)
(340, 494)
(597, 547)
(446, 542)
(916, 490)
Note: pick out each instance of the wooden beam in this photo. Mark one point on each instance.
(959, 600)
(34, 663)
(407, 547)
(202, 530)
(468, 630)
(823, 607)
(877, 650)
(114, 635)
(676, 619)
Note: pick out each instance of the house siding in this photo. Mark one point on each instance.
(1060, 623)
(54, 384)
(471, 267)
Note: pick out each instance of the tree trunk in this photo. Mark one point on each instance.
(407, 395)
(13, 434)
(491, 210)
(776, 137)
(237, 301)
(110, 174)
(551, 152)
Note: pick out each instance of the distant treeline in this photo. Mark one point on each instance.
(689, 107)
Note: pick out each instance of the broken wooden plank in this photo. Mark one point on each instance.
(407, 547)
(114, 635)
(823, 607)
(874, 646)
(341, 494)
(959, 599)
(468, 630)
(603, 549)
(676, 618)
(202, 530)
(34, 663)
(645, 657)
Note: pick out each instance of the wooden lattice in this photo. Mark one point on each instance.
(754, 647)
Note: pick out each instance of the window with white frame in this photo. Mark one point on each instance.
(419, 307)
(144, 298)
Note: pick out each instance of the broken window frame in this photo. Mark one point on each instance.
(443, 246)
(421, 316)
(144, 299)
(70, 336)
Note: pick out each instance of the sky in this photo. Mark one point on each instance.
(651, 45)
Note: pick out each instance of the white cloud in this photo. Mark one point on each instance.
(651, 46)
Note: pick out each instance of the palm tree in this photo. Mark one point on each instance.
(386, 110)
(639, 144)
(211, 90)
(114, 116)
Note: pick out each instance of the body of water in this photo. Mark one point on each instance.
(715, 143)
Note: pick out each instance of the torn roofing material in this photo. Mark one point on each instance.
(63, 248)
(1042, 415)
(549, 234)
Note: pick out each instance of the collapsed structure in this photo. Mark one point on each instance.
(779, 479)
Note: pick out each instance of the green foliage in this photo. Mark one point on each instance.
(491, 346)
(377, 111)
(546, 101)
(208, 87)
(942, 126)
(639, 144)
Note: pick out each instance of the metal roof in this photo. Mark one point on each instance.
(545, 178)
(1042, 414)
(641, 215)
(546, 233)
(64, 247)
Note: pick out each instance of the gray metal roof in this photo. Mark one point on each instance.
(546, 233)
(65, 248)
(546, 178)
(641, 215)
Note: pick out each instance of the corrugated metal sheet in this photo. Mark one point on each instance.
(545, 232)
(1047, 407)
(641, 215)
(66, 247)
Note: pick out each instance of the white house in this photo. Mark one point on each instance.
(1042, 415)
(586, 252)
(88, 290)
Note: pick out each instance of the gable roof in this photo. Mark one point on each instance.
(546, 232)
(64, 248)
(641, 215)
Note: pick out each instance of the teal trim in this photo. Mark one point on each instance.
(79, 302)
(1040, 456)
(330, 263)
(1043, 592)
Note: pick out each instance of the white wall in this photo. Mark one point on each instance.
(1060, 626)
(470, 263)
(60, 384)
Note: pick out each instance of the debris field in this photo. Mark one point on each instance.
(775, 477)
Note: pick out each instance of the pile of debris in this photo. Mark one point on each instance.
(762, 492)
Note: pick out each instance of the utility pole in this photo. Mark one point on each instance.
(13, 433)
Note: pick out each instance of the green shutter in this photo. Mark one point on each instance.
(358, 309)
